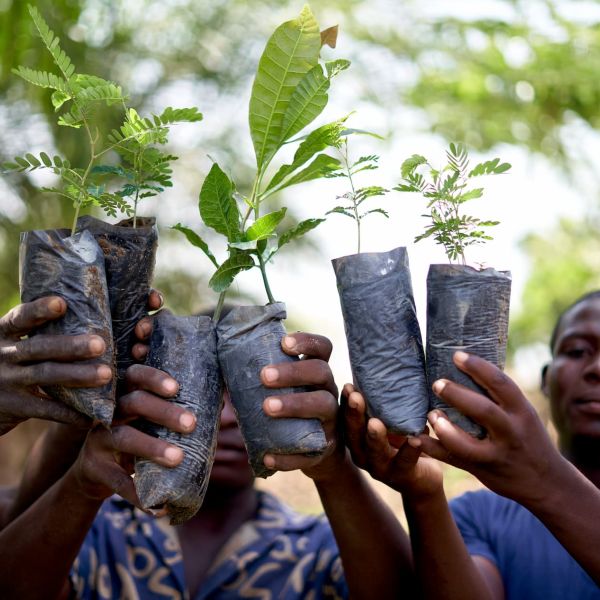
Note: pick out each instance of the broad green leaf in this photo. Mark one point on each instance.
(298, 231)
(226, 273)
(291, 52)
(218, 208)
(265, 226)
(309, 98)
(197, 241)
(248, 245)
(319, 167)
(323, 137)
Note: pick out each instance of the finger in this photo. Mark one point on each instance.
(143, 377)
(54, 373)
(143, 329)
(140, 352)
(27, 316)
(54, 347)
(355, 423)
(319, 404)
(35, 407)
(378, 450)
(472, 404)
(458, 444)
(155, 300)
(499, 385)
(162, 412)
(126, 439)
(308, 344)
(312, 372)
(290, 462)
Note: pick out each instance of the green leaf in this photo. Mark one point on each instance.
(341, 210)
(470, 195)
(410, 164)
(46, 159)
(226, 273)
(33, 161)
(218, 208)
(298, 231)
(323, 137)
(290, 53)
(319, 167)
(197, 241)
(41, 78)
(178, 115)
(265, 226)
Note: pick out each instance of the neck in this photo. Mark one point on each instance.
(584, 453)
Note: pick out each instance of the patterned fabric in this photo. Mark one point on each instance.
(279, 554)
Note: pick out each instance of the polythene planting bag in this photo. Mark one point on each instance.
(467, 310)
(249, 339)
(185, 348)
(55, 263)
(384, 339)
(129, 256)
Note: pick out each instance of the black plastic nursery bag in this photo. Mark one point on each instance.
(384, 339)
(249, 339)
(55, 263)
(186, 349)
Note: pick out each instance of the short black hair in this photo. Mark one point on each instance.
(558, 324)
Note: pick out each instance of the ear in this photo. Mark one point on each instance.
(544, 379)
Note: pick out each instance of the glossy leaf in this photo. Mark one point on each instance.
(197, 241)
(225, 274)
(265, 226)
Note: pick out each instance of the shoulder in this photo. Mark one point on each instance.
(483, 503)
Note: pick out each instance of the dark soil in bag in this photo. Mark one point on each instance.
(185, 348)
(55, 263)
(249, 339)
(467, 310)
(384, 339)
(129, 256)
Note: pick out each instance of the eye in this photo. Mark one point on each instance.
(575, 352)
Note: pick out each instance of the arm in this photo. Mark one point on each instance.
(63, 515)
(442, 562)
(370, 538)
(517, 459)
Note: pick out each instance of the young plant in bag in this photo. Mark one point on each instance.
(290, 90)
(446, 190)
(144, 169)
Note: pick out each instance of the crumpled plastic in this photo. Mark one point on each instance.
(55, 263)
(467, 310)
(129, 256)
(384, 339)
(185, 348)
(249, 338)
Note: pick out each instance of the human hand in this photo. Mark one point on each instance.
(517, 458)
(319, 403)
(106, 461)
(43, 360)
(392, 459)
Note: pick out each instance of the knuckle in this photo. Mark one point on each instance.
(134, 374)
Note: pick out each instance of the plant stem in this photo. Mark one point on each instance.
(265, 280)
(219, 307)
(356, 215)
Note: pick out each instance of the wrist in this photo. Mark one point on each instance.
(86, 487)
(332, 469)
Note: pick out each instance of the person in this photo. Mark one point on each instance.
(91, 544)
(534, 533)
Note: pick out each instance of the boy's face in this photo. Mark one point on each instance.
(572, 381)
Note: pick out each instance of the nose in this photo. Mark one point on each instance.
(228, 418)
(592, 369)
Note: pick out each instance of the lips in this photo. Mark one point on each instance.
(588, 404)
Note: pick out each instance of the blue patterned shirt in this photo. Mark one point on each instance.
(279, 554)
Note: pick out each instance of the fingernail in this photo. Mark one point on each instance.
(275, 405)
(187, 420)
(269, 461)
(414, 442)
(161, 298)
(432, 417)
(56, 305)
(96, 345)
(439, 385)
(173, 454)
(104, 373)
(371, 432)
(352, 402)
(145, 327)
(442, 422)
(461, 357)
(289, 342)
(270, 374)
(170, 386)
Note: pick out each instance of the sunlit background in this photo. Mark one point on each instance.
(513, 79)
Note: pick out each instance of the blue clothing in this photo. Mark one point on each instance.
(278, 554)
(531, 561)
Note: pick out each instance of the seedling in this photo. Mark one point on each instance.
(290, 90)
(360, 195)
(446, 190)
(144, 170)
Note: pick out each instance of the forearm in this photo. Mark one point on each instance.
(38, 548)
(569, 506)
(444, 568)
(50, 458)
(374, 548)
